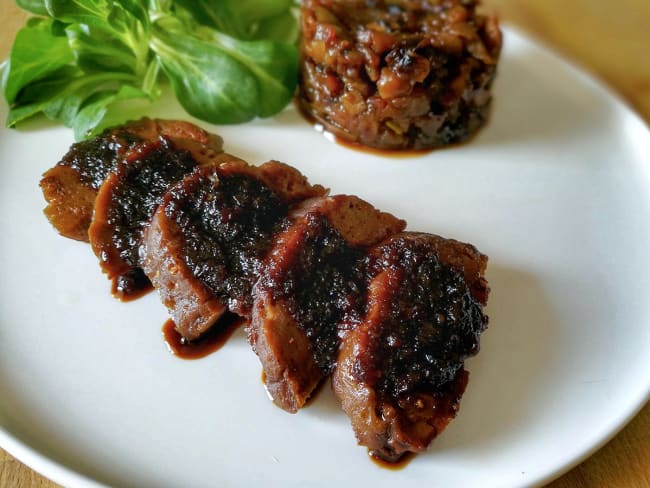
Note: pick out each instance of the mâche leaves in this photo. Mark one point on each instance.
(257, 78)
(95, 50)
(227, 61)
(36, 7)
(208, 83)
(281, 28)
(86, 12)
(237, 18)
(273, 65)
(92, 118)
(37, 52)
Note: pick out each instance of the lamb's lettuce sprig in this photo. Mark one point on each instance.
(78, 61)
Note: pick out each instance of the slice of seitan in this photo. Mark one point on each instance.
(310, 285)
(70, 187)
(209, 237)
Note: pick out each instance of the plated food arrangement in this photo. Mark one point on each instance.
(405, 74)
(89, 392)
(328, 285)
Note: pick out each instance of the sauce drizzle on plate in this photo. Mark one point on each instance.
(211, 342)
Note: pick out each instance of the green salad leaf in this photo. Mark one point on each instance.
(38, 51)
(79, 61)
(87, 12)
(237, 18)
(36, 7)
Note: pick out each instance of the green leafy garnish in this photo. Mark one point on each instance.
(78, 61)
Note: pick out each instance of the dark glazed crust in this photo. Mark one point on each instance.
(193, 306)
(407, 74)
(124, 206)
(389, 423)
(70, 187)
(286, 352)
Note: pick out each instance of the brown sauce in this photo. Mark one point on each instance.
(131, 285)
(386, 153)
(129, 297)
(210, 342)
(398, 465)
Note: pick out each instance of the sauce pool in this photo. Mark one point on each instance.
(398, 465)
(131, 285)
(387, 153)
(211, 341)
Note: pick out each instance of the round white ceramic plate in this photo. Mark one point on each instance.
(555, 190)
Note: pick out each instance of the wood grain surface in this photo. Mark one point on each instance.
(611, 40)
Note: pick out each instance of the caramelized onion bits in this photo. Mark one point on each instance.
(409, 74)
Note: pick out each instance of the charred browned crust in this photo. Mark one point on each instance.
(330, 284)
(408, 74)
(194, 308)
(399, 373)
(125, 204)
(210, 235)
(71, 186)
(308, 286)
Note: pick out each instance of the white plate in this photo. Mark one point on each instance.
(556, 191)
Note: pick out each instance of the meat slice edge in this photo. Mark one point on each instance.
(191, 305)
(400, 373)
(210, 235)
(308, 286)
(124, 207)
(70, 187)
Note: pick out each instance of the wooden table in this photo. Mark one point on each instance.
(611, 39)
